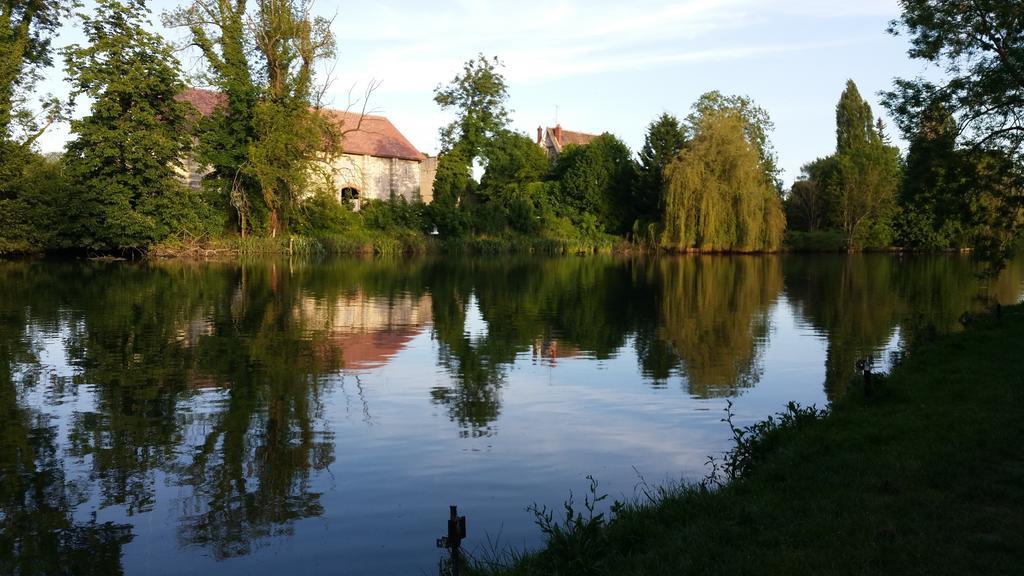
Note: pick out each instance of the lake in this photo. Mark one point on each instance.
(319, 417)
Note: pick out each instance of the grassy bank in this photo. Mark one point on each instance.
(383, 243)
(924, 475)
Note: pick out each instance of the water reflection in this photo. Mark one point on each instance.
(123, 387)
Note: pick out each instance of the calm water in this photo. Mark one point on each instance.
(319, 418)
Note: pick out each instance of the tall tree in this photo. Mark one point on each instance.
(757, 125)
(979, 45)
(855, 124)
(720, 193)
(664, 139)
(123, 155)
(862, 178)
(931, 204)
(264, 140)
(26, 31)
(477, 95)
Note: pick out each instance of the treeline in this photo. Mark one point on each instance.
(707, 182)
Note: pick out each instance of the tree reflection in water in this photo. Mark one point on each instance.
(212, 378)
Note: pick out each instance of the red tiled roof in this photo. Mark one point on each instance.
(373, 136)
(577, 138)
(206, 101)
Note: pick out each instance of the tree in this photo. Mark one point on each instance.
(478, 97)
(123, 154)
(513, 162)
(664, 139)
(263, 142)
(855, 124)
(720, 195)
(806, 203)
(26, 29)
(756, 127)
(861, 179)
(932, 208)
(980, 48)
(597, 179)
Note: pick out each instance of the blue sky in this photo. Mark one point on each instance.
(613, 66)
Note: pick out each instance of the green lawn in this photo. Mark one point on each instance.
(924, 476)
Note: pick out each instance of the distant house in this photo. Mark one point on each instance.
(376, 160)
(553, 140)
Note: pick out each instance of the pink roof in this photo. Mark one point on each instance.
(372, 136)
(206, 101)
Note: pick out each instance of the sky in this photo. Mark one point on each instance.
(599, 66)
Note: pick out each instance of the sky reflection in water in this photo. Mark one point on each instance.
(319, 418)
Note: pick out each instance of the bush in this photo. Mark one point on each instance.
(817, 241)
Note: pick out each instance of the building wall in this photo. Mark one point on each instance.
(380, 178)
(375, 178)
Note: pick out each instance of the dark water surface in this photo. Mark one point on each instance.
(319, 417)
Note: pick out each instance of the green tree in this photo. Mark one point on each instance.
(596, 180)
(513, 162)
(720, 194)
(980, 48)
(263, 142)
(757, 125)
(122, 157)
(26, 31)
(931, 206)
(806, 204)
(855, 124)
(664, 140)
(860, 181)
(477, 96)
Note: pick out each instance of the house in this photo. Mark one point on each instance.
(376, 161)
(553, 140)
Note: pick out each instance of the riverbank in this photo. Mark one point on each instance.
(923, 475)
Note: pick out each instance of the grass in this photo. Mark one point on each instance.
(923, 476)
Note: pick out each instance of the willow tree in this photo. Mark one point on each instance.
(720, 194)
(265, 139)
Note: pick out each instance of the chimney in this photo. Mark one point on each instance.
(558, 133)
(539, 133)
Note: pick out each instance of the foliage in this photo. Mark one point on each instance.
(806, 203)
(514, 161)
(121, 161)
(26, 31)
(720, 195)
(853, 191)
(931, 198)
(263, 142)
(32, 203)
(980, 48)
(757, 125)
(477, 95)
(596, 180)
(664, 140)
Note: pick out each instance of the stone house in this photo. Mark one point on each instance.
(553, 140)
(375, 162)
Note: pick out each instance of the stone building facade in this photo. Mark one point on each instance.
(375, 161)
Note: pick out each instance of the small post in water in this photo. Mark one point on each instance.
(453, 541)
